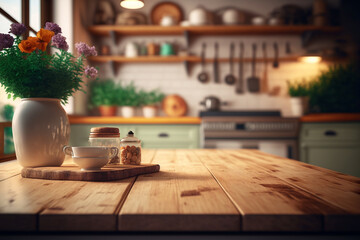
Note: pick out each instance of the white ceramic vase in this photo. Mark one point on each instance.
(299, 106)
(41, 129)
(149, 111)
(127, 111)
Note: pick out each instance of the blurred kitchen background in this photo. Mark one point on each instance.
(156, 51)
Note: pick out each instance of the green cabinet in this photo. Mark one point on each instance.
(152, 135)
(335, 146)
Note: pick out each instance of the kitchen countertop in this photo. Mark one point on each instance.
(195, 190)
(134, 120)
(331, 117)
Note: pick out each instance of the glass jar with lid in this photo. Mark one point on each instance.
(106, 137)
(130, 149)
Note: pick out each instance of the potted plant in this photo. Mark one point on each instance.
(103, 95)
(299, 93)
(127, 100)
(150, 102)
(336, 90)
(40, 124)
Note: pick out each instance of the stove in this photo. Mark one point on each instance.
(264, 130)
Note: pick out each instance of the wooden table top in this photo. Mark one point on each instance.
(195, 190)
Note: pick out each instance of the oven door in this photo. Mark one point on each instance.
(285, 147)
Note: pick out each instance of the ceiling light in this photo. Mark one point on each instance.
(132, 4)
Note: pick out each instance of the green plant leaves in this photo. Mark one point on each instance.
(38, 74)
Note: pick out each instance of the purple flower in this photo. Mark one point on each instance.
(53, 27)
(6, 41)
(17, 29)
(85, 50)
(91, 72)
(60, 42)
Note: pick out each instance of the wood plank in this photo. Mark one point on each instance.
(74, 173)
(9, 169)
(183, 196)
(180, 59)
(331, 117)
(104, 30)
(88, 206)
(134, 120)
(266, 202)
(335, 188)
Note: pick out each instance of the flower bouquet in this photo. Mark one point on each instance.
(27, 70)
(42, 79)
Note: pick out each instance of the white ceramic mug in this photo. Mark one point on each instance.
(167, 20)
(91, 151)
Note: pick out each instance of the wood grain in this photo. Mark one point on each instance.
(9, 169)
(89, 206)
(179, 59)
(196, 190)
(183, 196)
(104, 30)
(266, 202)
(133, 120)
(340, 190)
(107, 173)
(331, 117)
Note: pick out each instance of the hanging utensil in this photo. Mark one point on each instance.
(264, 84)
(203, 77)
(287, 48)
(276, 57)
(240, 82)
(230, 78)
(216, 64)
(253, 82)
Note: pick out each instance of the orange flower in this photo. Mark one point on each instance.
(28, 45)
(45, 35)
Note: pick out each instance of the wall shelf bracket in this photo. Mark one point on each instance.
(307, 36)
(187, 38)
(187, 67)
(113, 37)
(115, 67)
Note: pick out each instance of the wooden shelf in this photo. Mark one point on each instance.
(105, 30)
(175, 59)
(134, 120)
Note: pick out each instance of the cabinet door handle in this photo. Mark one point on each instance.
(163, 135)
(330, 133)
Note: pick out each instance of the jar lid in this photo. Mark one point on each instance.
(130, 138)
(104, 132)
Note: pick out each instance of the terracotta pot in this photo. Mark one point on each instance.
(41, 129)
(107, 111)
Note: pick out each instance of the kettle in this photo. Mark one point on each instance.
(212, 103)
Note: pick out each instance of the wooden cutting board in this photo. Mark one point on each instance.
(72, 172)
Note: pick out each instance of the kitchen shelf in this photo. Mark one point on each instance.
(106, 30)
(175, 59)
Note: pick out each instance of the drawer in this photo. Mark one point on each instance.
(168, 136)
(331, 132)
(152, 136)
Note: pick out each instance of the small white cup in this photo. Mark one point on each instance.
(91, 151)
(167, 21)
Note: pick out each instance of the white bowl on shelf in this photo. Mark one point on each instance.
(90, 163)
